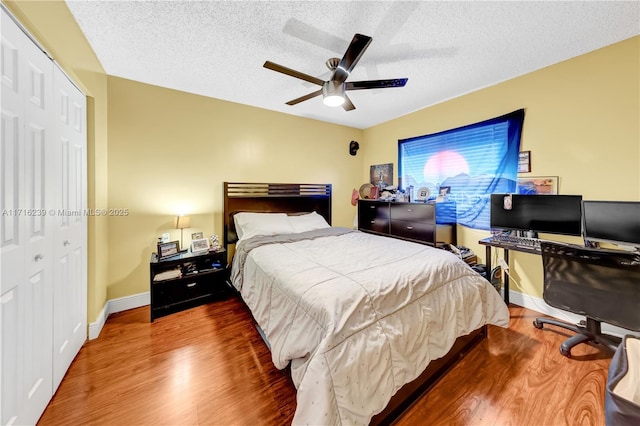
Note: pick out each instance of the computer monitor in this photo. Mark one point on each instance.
(553, 214)
(616, 222)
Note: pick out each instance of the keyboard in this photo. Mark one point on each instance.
(521, 242)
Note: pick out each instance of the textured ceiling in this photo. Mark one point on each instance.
(445, 49)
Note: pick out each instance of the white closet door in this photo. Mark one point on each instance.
(26, 302)
(70, 288)
(11, 157)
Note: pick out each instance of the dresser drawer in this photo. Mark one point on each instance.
(413, 212)
(422, 231)
(373, 216)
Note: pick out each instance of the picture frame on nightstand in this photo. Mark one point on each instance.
(169, 249)
(200, 246)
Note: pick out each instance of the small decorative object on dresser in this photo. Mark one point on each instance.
(423, 194)
(215, 242)
(197, 236)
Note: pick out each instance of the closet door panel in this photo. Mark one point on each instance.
(70, 288)
(36, 363)
(12, 249)
(9, 356)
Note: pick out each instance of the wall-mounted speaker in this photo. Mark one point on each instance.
(353, 147)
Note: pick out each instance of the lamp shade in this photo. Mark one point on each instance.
(183, 222)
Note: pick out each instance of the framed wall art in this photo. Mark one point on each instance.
(381, 175)
(524, 162)
(540, 185)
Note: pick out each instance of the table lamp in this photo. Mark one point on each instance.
(181, 223)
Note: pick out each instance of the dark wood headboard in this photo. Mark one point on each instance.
(273, 198)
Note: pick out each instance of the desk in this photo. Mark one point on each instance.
(489, 242)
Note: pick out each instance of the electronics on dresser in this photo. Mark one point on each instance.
(616, 222)
(553, 214)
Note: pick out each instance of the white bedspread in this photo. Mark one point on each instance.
(358, 316)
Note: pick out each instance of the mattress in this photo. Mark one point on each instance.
(357, 315)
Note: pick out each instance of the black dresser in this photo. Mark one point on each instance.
(409, 221)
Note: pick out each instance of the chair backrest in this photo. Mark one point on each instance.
(597, 283)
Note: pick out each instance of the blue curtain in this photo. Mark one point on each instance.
(466, 164)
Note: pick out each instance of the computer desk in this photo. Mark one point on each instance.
(488, 243)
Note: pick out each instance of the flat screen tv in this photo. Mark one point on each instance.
(552, 214)
(616, 222)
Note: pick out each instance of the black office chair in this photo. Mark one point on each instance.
(603, 285)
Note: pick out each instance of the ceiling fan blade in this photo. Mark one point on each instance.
(304, 98)
(376, 84)
(348, 105)
(293, 73)
(351, 57)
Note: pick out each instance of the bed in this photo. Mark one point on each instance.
(364, 323)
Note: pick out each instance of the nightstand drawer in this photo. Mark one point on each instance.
(176, 291)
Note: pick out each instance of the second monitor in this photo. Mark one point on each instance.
(553, 214)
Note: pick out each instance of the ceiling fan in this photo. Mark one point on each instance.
(334, 90)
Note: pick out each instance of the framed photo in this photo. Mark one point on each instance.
(524, 162)
(199, 245)
(443, 191)
(168, 249)
(381, 175)
(197, 236)
(542, 185)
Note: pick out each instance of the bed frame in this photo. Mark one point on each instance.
(300, 197)
(273, 198)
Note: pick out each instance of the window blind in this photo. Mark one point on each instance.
(472, 161)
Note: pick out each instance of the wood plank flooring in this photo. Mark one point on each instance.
(209, 366)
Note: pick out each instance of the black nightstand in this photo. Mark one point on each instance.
(187, 280)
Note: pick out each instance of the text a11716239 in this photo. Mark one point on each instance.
(65, 212)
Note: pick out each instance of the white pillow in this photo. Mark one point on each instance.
(251, 224)
(308, 222)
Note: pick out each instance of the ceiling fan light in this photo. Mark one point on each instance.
(333, 93)
(333, 100)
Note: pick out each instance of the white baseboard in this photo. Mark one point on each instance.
(520, 299)
(539, 305)
(117, 305)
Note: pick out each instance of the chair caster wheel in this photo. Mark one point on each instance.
(537, 324)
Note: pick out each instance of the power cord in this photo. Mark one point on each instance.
(541, 309)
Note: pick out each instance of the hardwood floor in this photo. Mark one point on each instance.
(209, 366)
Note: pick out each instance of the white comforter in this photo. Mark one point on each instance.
(358, 316)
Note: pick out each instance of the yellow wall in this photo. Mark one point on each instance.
(162, 151)
(170, 151)
(582, 123)
(51, 23)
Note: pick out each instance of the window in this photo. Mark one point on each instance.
(469, 163)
